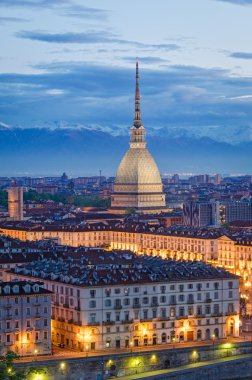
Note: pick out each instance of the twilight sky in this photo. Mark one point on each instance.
(72, 61)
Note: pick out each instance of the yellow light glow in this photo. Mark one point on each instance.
(35, 351)
(9, 370)
(62, 365)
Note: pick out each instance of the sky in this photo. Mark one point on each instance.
(73, 61)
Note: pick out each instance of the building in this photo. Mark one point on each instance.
(236, 211)
(15, 203)
(201, 214)
(117, 299)
(138, 184)
(25, 318)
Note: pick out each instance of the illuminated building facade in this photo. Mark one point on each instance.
(15, 203)
(119, 300)
(25, 314)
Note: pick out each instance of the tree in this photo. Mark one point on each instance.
(7, 370)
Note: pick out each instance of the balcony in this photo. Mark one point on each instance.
(7, 306)
(208, 300)
(93, 324)
(56, 303)
(108, 323)
(136, 305)
(231, 313)
(200, 315)
(52, 316)
(154, 304)
(9, 343)
(66, 305)
(117, 307)
(173, 302)
(61, 319)
(216, 314)
(70, 321)
(190, 302)
(77, 308)
(125, 322)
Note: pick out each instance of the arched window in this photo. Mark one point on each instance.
(163, 337)
(199, 335)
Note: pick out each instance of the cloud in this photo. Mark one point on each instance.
(66, 7)
(6, 20)
(237, 2)
(173, 96)
(241, 55)
(89, 37)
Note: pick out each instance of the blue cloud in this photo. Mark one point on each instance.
(6, 20)
(241, 55)
(89, 37)
(176, 96)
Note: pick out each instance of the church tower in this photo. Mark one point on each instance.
(138, 183)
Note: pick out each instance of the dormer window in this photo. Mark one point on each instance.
(36, 288)
(27, 288)
(15, 289)
(7, 289)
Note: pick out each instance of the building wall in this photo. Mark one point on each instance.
(143, 314)
(25, 326)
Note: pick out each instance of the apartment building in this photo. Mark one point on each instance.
(25, 318)
(117, 299)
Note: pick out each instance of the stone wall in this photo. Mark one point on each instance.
(94, 368)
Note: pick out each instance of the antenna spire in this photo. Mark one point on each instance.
(137, 115)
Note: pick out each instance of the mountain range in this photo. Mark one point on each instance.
(52, 148)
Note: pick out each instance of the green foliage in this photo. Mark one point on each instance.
(3, 198)
(89, 201)
(7, 370)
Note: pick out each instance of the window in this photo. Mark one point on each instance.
(17, 337)
(45, 310)
(8, 325)
(136, 290)
(216, 308)
(45, 322)
(172, 312)
(230, 294)
(172, 287)
(181, 311)
(216, 295)
(108, 303)
(145, 300)
(92, 317)
(230, 284)
(216, 285)
(16, 324)
(28, 311)
(16, 300)
(37, 336)
(8, 338)
(162, 288)
(45, 335)
(163, 313)
(181, 297)
(230, 308)
(145, 314)
(163, 299)
(28, 299)
(207, 309)
(126, 301)
(117, 316)
(92, 293)
(16, 311)
(117, 291)
(28, 323)
(92, 304)
(154, 313)
(199, 287)
(108, 316)
(190, 286)
(181, 288)
(199, 296)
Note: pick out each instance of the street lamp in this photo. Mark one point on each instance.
(86, 350)
(35, 354)
(131, 346)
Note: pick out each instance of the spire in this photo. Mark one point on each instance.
(137, 116)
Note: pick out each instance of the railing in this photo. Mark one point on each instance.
(107, 323)
(173, 302)
(190, 301)
(155, 303)
(93, 323)
(77, 308)
(61, 319)
(124, 322)
(136, 305)
(117, 307)
(66, 305)
(208, 300)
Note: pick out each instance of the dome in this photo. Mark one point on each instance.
(137, 167)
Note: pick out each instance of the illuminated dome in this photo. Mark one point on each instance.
(138, 183)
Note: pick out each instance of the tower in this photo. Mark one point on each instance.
(138, 184)
(15, 203)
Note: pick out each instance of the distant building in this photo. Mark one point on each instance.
(15, 203)
(236, 211)
(25, 318)
(201, 214)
